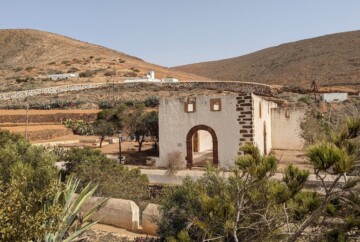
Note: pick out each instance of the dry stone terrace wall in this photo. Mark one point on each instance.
(48, 118)
(48, 90)
(239, 87)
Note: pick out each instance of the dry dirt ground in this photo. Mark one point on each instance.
(44, 112)
(106, 233)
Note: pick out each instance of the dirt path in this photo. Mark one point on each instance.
(118, 231)
(45, 112)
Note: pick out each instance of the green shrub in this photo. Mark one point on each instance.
(21, 79)
(86, 73)
(79, 127)
(51, 71)
(105, 105)
(110, 73)
(305, 99)
(29, 68)
(130, 74)
(132, 103)
(17, 69)
(134, 69)
(115, 180)
(152, 101)
(73, 69)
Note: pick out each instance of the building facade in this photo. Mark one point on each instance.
(213, 128)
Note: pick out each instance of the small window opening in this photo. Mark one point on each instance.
(260, 110)
(190, 107)
(215, 105)
(287, 113)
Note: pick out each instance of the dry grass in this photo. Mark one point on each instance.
(330, 60)
(32, 53)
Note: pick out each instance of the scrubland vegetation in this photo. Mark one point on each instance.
(247, 204)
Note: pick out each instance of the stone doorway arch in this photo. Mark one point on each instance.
(189, 144)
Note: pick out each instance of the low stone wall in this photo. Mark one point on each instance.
(239, 87)
(149, 218)
(117, 212)
(125, 214)
(48, 118)
(49, 90)
(47, 134)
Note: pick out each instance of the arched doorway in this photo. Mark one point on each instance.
(190, 143)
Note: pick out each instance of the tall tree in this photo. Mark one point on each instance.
(103, 128)
(141, 124)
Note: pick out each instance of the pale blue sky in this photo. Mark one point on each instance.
(176, 32)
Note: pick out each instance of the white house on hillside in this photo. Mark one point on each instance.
(334, 97)
(150, 77)
(63, 76)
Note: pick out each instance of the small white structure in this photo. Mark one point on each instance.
(63, 76)
(212, 128)
(333, 97)
(170, 80)
(150, 77)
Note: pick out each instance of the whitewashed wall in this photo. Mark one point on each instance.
(174, 125)
(286, 131)
(259, 122)
(334, 97)
(205, 140)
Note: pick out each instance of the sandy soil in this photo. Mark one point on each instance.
(119, 231)
(287, 157)
(33, 128)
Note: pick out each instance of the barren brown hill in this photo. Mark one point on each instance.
(330, 60)
(31, 55)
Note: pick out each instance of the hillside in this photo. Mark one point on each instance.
(31, 55)
(330, 60)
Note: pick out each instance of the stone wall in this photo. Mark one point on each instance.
(48, 118)
(125, 214)
(49, 90)
(244, 107)
(117, 212)
(149, 217)
(239, 87)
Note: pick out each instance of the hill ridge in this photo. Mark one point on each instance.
(28, 54)
(331, 59)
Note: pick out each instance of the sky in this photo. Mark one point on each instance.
(178, 32)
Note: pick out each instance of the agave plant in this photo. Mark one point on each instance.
(74, 223)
